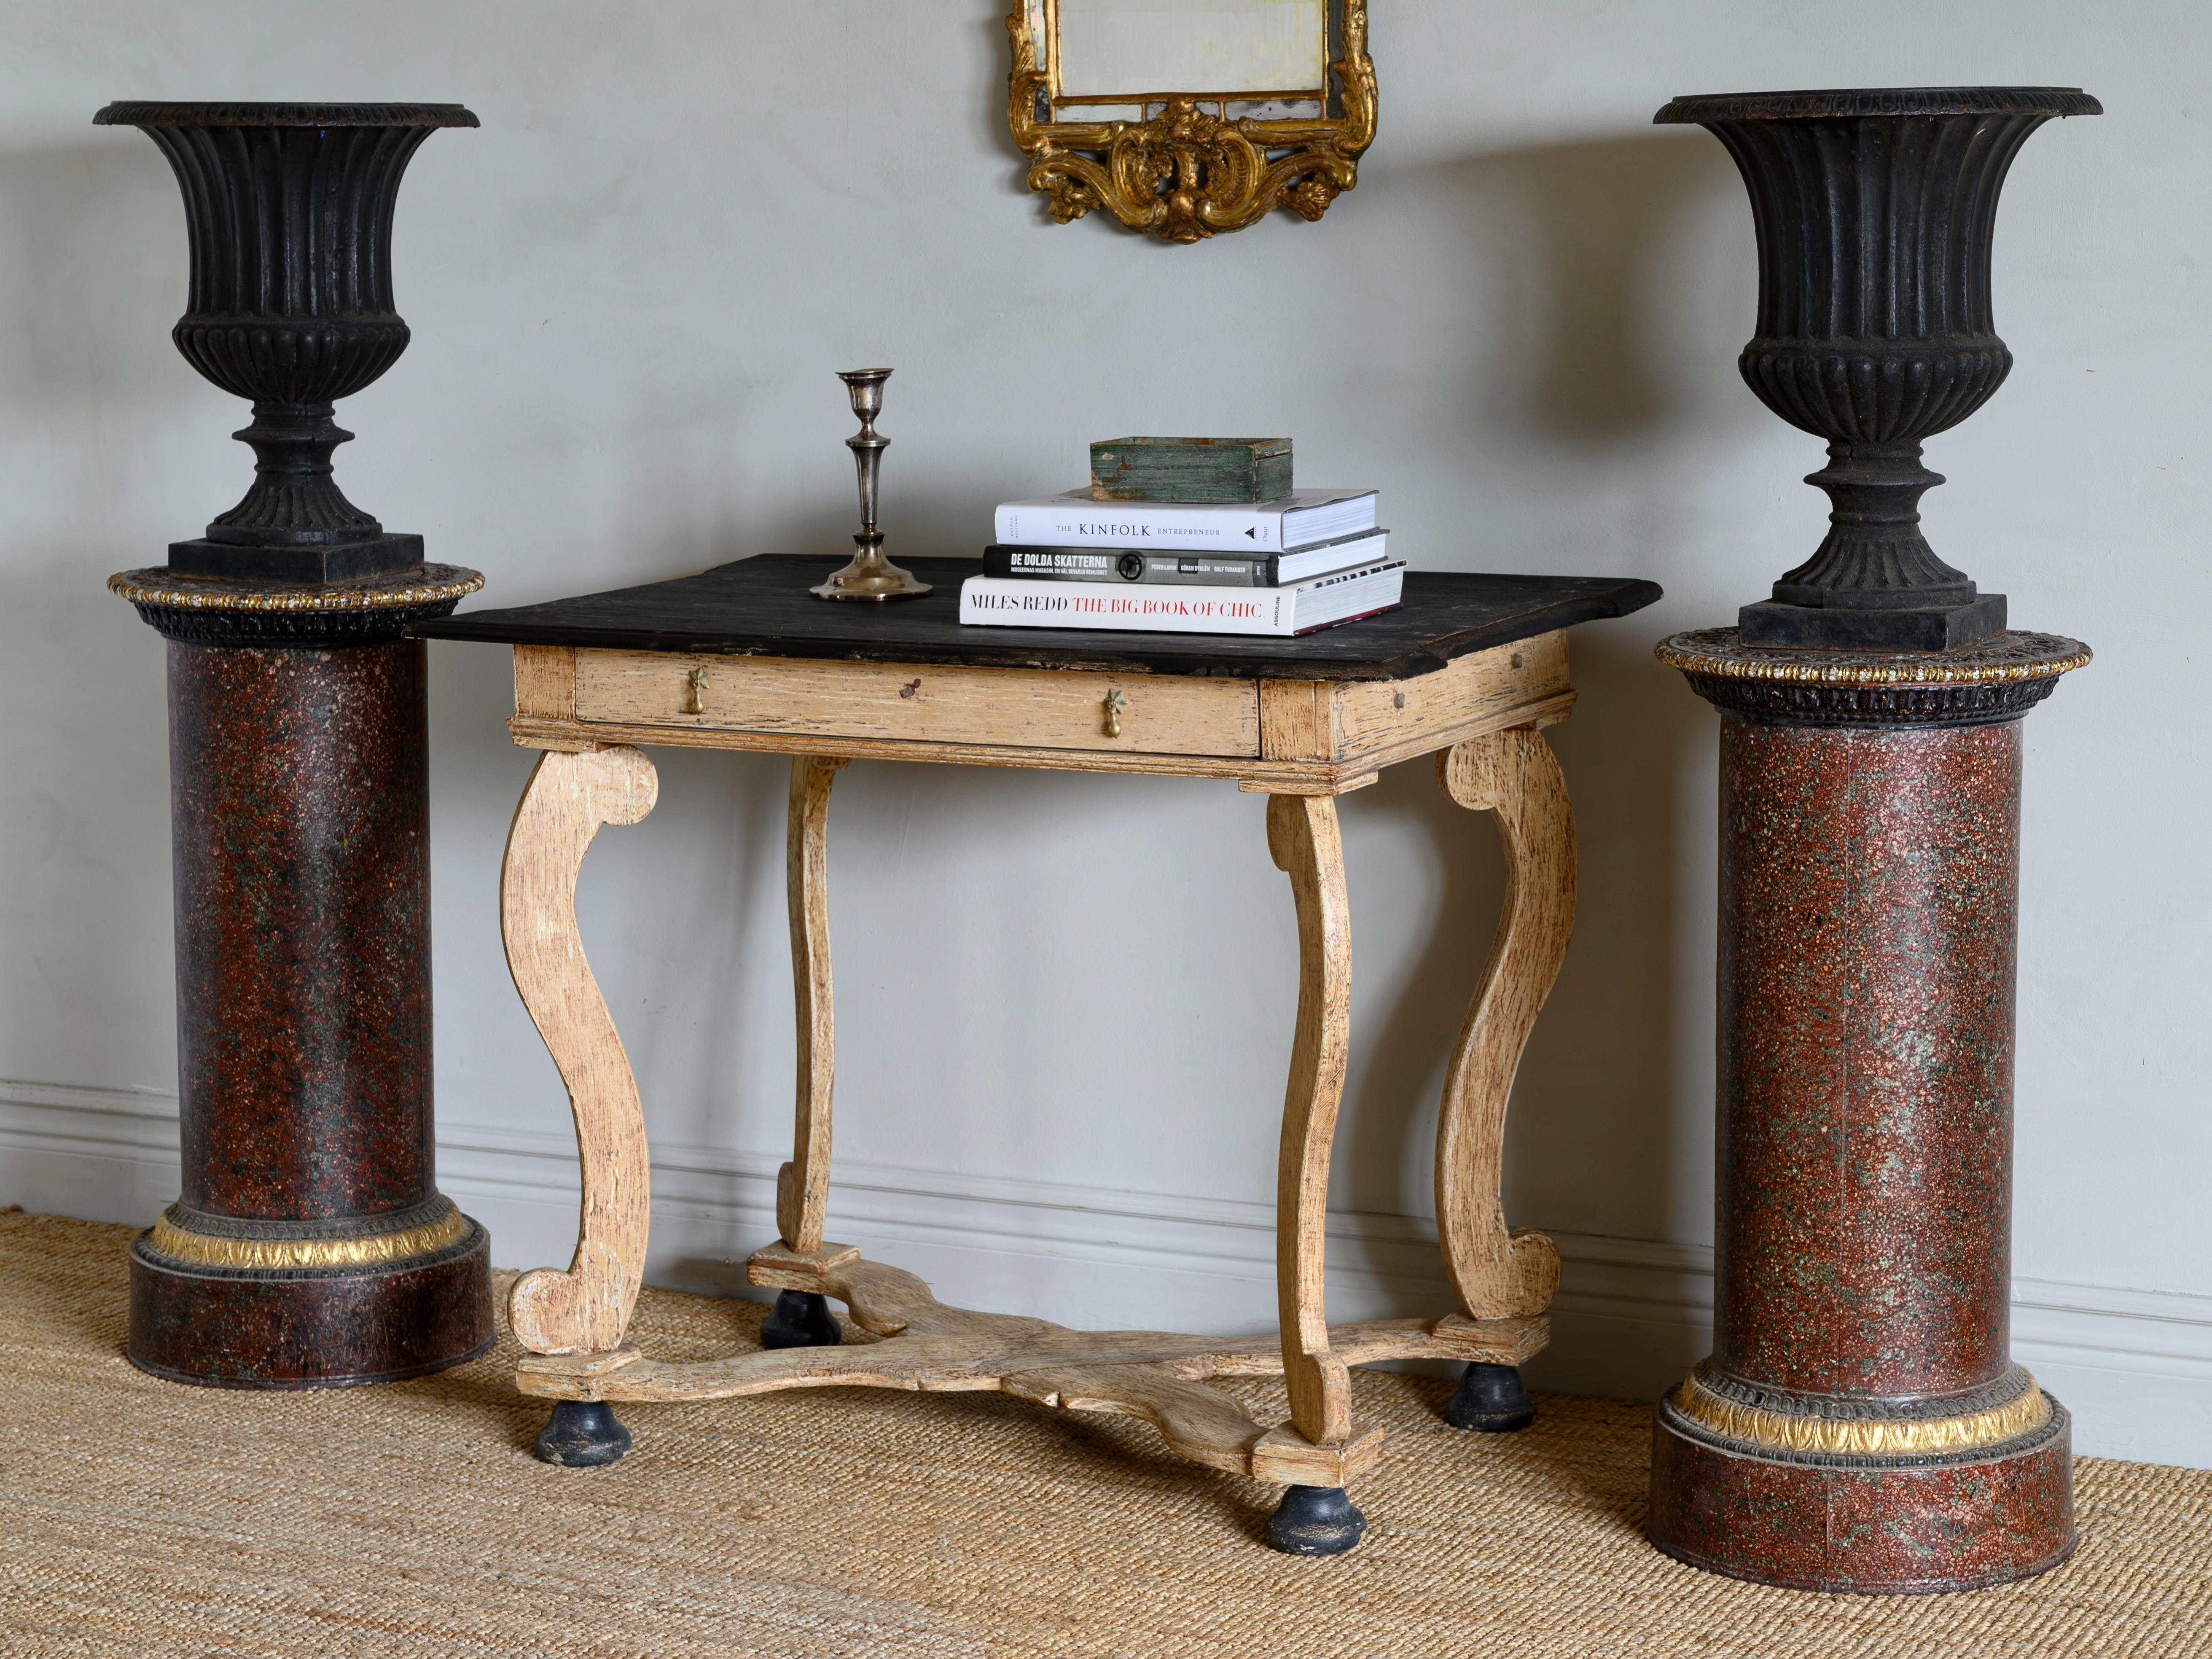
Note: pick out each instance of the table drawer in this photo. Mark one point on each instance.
(1055, 708)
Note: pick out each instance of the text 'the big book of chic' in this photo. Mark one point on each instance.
(1299, 608)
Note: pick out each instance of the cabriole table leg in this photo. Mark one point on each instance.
(802, 1319)
(1499, 1273)
(1303, 836)
(586, 1310)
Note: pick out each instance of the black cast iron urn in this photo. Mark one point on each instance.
(288, 207)
(1876, 212)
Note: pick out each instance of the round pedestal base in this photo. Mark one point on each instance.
(292, 1328)
(1866, 1525)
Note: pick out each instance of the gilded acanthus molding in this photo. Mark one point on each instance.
(1867, 1435)
(185, 1243)
(1183, 173)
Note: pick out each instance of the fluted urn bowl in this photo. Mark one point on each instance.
(1876, 212)
(288, 208)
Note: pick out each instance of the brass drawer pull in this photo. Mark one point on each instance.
(695, 685)
(1115, 703)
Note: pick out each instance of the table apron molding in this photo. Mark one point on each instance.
(88, 1150)
(1284, 737)
(1259, 776)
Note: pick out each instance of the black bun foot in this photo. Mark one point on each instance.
(802, 1319)
(583, 1435)
(1315, 1520)
(1491, 1400)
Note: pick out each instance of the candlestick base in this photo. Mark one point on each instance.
(869, 575)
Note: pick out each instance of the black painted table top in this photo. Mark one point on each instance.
(760, 607)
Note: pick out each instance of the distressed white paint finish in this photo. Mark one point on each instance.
(629, 291)
(1116, 46)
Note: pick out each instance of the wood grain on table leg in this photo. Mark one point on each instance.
(569, 796)
(802, 1186)
(1499, 1273)
(1302, 835)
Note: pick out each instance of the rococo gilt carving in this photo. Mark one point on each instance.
(1196, 162)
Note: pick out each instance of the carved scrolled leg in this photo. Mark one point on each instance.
(587, 1308)
(802, 1186)
(802, 1319)
(1302, 835)
(1498, 1272)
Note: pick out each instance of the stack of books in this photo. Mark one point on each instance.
(1311, 558)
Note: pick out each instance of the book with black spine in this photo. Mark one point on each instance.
(1305, 517)
(1129, 564)
(1297, 608)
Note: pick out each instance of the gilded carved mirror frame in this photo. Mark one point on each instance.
(1194, 163)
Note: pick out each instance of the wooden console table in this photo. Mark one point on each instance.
(1469, 670)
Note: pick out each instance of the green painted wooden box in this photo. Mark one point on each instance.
(1190, 470)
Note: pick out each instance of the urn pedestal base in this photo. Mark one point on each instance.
(334, 562)
(1869, 1525)
(1941, 628)
(311, 1327)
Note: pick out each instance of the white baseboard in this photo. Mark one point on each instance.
(2135, 1366)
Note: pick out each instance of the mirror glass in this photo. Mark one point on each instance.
(1122, 49)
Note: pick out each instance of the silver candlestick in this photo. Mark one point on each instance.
(868, 574)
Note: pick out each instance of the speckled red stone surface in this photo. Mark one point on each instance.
(300, 804)
(1866, 1529)
(299, 793)
(320, 1330)
(1868, 911)
(1867, 915)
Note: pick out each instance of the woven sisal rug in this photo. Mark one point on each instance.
(140, 1519)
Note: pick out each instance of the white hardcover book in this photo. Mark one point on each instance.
(1305, 517)
(1299, 608)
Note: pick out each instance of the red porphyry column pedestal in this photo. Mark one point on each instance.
(1860, 1426)
(310, 1247)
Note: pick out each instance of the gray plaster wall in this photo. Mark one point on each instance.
(1066, 1000)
